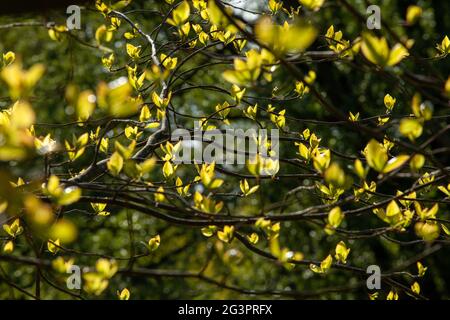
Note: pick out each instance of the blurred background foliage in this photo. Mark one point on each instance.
(350, 87)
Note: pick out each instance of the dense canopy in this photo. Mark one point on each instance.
(352, 176)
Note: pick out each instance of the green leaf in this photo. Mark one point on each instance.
(417, 162)
(209, 231)
(389, 102)
(376, 50)
(69, 196)
(53, 186)
(227, 234)
(397, 54)
(115, 164)
(415, 287)
(376, 155)
(154, 243)
(413, 13)
(342, 252)
(334, 175)
(102, 34)
(445, 229)
(303, 151)
(421, 269)
(411, 128)
(125, 152)
(168, 169)
(445, 190)
(296, 37)
(395, 163)
(359, 169)
(326, 263)
(85, 105)
(321, 159)
(335, 217)
(132, 51)
(8, 58)
(314, 268)
(215, 184)
(180, 14)
(392, 209)
(428, 231)
(312, 4)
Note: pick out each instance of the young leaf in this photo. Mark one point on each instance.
(395, 163)
(376, 155)
(124, 294)
(154, 243)
(341, 252)
(115, 164)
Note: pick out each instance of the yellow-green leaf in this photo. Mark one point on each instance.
(115, 164)
(395, 163)
(411, 128)
(154, 243)
(124, 294)
(376, 155)
(335, 217)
